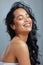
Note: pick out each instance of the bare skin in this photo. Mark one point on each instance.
(18, 49)
(16, 46)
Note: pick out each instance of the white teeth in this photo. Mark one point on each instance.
(28, 24)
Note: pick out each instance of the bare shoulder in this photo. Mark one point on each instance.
(18, 49)
(22, 52)
(19, 44)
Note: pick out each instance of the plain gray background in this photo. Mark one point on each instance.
(37, 7)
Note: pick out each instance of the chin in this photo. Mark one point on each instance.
(28, 30)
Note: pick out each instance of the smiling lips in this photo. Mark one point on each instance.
(27, 24)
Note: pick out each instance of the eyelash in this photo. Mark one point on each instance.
(22, 18)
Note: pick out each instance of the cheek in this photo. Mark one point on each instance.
(30, 20)
(18, 24)
(31, 23)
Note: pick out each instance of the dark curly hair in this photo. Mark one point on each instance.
(32, 37)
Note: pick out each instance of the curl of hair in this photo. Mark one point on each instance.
(32, 37)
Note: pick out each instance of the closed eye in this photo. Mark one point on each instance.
(20, 18)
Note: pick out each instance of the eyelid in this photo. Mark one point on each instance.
(21, 16)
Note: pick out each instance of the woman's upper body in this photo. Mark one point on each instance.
(17, 49)
(21, 26)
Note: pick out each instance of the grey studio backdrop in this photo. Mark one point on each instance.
(37, 7)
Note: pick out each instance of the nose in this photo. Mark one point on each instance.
(26, 19)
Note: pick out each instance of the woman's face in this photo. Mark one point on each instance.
(22, 21)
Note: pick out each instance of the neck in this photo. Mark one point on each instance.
(23, 37)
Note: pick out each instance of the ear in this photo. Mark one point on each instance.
(12, 26)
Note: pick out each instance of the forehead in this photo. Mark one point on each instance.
(20, 11)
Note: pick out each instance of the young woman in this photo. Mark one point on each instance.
(22, 28)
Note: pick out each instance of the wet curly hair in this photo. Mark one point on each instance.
(32, 37)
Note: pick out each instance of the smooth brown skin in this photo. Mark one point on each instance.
(18, 49)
